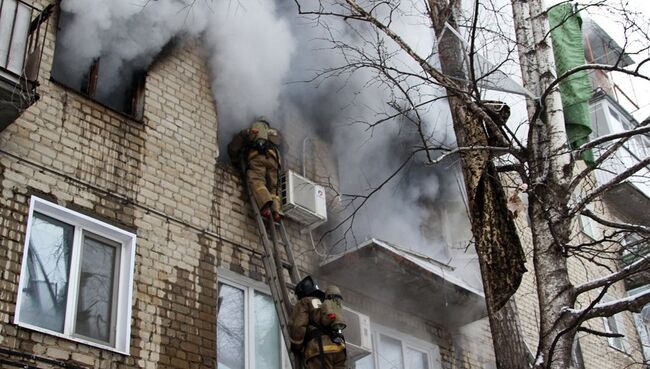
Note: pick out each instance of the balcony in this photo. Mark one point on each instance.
(415, 283)
(631, 198)
(22, 34)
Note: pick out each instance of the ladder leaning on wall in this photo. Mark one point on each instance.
(275, 267)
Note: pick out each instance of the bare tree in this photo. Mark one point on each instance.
(542, 161)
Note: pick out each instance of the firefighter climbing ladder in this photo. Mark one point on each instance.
(275, 267)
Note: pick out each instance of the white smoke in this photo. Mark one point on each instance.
(251, 49)
(258, 51)
(126, 31)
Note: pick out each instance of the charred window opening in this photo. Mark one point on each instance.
(107, 79)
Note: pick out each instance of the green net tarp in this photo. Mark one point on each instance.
(576, 90)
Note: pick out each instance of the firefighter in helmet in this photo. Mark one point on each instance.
(258, 148)
(310, 339)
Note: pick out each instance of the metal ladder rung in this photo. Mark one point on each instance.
(275, 267)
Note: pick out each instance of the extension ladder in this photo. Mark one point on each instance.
(275, 268)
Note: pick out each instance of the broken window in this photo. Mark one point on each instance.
(107, 79)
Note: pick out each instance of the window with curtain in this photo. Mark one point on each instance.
(248, 332)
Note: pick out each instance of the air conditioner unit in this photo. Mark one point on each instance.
(303, 200)
(357, 335)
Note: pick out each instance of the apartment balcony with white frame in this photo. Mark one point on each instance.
(633, 194)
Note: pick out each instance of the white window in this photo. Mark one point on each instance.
(396, 350)
(77, 277)
(642, 323)
(588, 225)
(577, 361)
(248, 332)
(615, 324)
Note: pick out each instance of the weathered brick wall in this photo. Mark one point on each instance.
(472, 346)
(158, 178)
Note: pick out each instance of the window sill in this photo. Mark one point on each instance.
(74, 339)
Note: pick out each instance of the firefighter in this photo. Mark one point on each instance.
(309, 338)
(258, 148)
(332, 313)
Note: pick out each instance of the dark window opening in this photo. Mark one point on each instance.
(107, 79)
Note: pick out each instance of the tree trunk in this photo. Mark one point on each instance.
(550, 170)
(492, 227)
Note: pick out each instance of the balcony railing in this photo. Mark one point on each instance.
(22, 34)
(23, 29)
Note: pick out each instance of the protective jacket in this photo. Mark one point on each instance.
(242, 144)
(309, 336)
(262, 157)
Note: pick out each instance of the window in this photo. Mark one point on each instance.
(77, 277)
(248, 332)
(634, 247)
(642, 323)
(108, 79)
(588, 225)
(615, 324)
(395, 350)
(577, 361)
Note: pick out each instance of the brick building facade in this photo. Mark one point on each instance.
(159, 216)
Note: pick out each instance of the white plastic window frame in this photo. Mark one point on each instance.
(250, 286)
(431, 350)
(637, 146)
(620, 329)
(577, 358)
(640, 325)
(124, 279)
(587, 226)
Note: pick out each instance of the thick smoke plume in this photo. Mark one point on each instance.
(260, 53)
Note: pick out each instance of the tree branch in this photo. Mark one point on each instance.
(632, 303)
(638, 266)
(579, 206)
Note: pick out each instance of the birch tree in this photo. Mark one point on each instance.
(542, 163)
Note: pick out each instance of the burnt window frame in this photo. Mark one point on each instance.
(89, 82)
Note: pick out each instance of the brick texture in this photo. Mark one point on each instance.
(160, 178)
